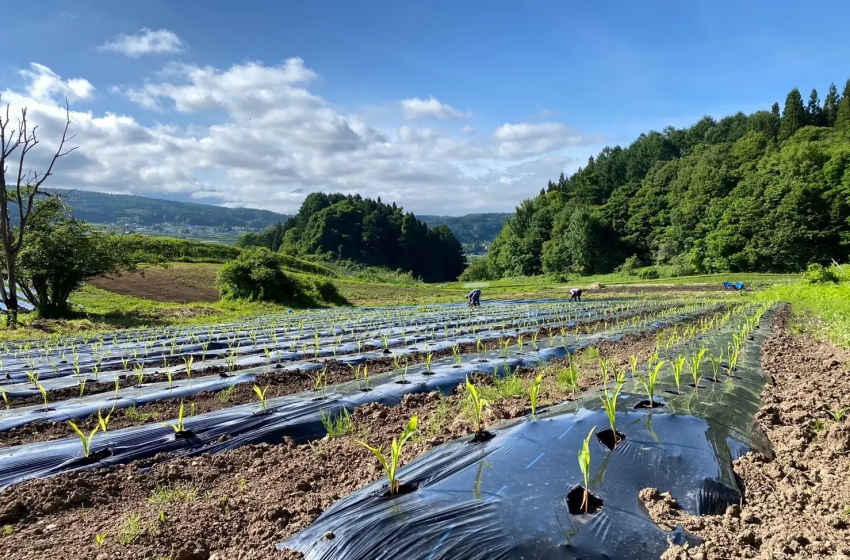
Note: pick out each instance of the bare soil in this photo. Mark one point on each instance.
(238, 505)
(178, 283)
(796, 505)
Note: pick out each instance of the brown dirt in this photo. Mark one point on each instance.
(238, 505)
(178, 283)
(795, 506)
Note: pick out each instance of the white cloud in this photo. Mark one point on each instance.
(43, 84)
(146, 41)
(272, 141)
(416, 108)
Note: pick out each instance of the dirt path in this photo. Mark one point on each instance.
(796, 505)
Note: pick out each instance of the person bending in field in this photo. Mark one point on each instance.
(575, 294)
(473, 298)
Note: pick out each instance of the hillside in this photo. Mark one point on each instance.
(763, 193)
(336, 227)
(474, 231)
(102, 208)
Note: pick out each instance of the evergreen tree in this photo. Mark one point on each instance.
(830, 106)
(842, 118)
(814, 113)
(793, 117)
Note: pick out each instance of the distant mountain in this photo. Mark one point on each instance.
(101, 208)
(474, 231)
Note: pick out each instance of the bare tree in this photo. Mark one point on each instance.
(15, 144)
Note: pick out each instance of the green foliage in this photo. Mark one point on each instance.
(763, 192)
(167, 249)
(337, 425)
(819, 274)
(60, 253)
(584, 465)
(369, 232)
(391, 466)
(479, 270)
(256, 275)
(474, 231)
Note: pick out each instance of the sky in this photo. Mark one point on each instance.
(444, 107)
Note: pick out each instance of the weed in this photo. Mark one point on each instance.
(8, 530)
(164, 495)
(337, 425)
(130, 530)
(320, 381)
(224, 395)
(84, 439)
(132, 413)
(584, 465)
(391, 467)
(569, 376)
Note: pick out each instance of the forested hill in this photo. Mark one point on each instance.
(474, 231)
(759, 192)
(365, 231)
(102, 208)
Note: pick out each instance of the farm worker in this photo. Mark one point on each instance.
(575, 294)
(473, 297)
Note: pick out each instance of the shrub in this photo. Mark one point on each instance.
(650, 273)
(301, 265)
(478, 270)
(255, 275)
(630, 265)
(819, 274)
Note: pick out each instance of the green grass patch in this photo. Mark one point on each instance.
(820, 309)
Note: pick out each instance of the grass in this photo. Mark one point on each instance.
(623, 279)
(820, 309)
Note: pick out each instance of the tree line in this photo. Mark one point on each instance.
(765, 192)
(352, 228)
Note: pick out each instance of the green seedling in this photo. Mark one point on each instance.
(189, 361)
(391, 466)
(584, 465)
(649, 381)
(696, 359)
(609, 400)
(5, 398)
(170, 378)
(84, 439)
(100, 539)
(715, 363)
(534, 392)
(103, 421)
(320, 381)
(633, 362)
(43, 392)
(677, 372)
(261, 394)
(456, 354)
(519, 341)
(838, 415)
(534, 340)
(478, 405)
(82, 386)
(428, 358)
(178, 427)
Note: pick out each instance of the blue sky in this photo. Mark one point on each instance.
(444, 107)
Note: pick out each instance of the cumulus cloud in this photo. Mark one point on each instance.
(258, 137)
(416, 108)
(146, 41)
(43, 84)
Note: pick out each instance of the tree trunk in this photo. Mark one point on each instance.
(12, 296)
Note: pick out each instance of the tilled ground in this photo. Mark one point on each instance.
(238, 505)
(278, 383)
(796, 505)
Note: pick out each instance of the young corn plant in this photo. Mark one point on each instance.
(715, 363)
(261, 394)
(428, 358)
(188, 361)
(43, 392)
(391, 466)
(84, 439)
(584, 465)
(456, 354)
(695, 362)
(320, 381)
(534, 393)
(609, 400)
(103, 421)
(678, 364)
(649, 381)
(5, 398)
(478, 405)
(178, 427)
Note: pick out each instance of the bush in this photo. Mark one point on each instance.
(819, 274)
(478, 270)
(255, 275)
(650, 273)
(630, 265)
(301, 265)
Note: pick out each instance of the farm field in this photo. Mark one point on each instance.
(241, 439)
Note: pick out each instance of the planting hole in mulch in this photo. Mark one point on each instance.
(44, 410)
(223, 375)
(696, 386)
(402, 382)
(365, 389)
(646, 403)
(483, 436)
(607, 438)
(670, 392)
(455, 367)
(184, 434)
(403, 488)
(575, 502)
